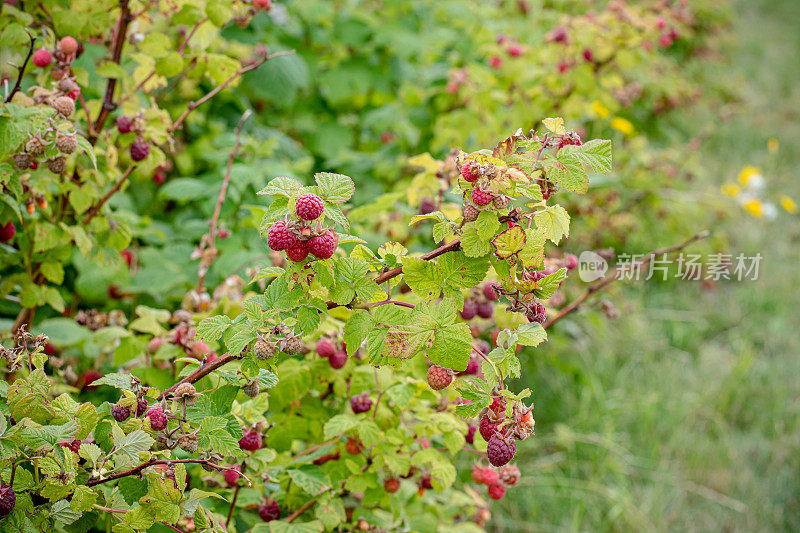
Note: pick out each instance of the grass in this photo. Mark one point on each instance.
(684, 413)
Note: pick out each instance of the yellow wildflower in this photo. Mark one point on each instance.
(623, 125)
(754, 207)
(788, 204)
(731, 189)
(747, 173)
(599, 109)
(773, 145)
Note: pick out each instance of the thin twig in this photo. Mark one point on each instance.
(389, 274)
(117, 186)
(387, 302)
(303, 508)
(233, 505)
(573, 306)
(152, 462)
(116, 56)
(212, 233)
(496, 371)
(200, 373)
(197, 103)
(22, 69)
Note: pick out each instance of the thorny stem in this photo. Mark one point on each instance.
(233, 505)
(212, 233)
(152, 462)
(197, 103)
(612, 276)
(22, 69)
(496, 371)
(108, 101)
(117, 186)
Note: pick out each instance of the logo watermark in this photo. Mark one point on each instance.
(690, 267)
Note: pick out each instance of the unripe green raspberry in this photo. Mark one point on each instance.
(64, 105)
(471, 213)
(263, 350)
(188, 443)
(35, 146)
(66, 143)
(252, 389)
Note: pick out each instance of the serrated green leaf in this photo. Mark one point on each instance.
(509, 242)
(554, 220)
(336, 188)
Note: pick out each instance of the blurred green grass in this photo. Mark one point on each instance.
(684, 413)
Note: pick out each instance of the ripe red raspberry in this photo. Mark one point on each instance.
(231, 477)
(426, 205)
(489, 291)
(154, 344)
(124, 124)
(68, 45)
(309, 206)
(7, 231)
(439, 377)
(588, 55)
(42, 57)
(140, 149)
(500, 202)
(509, 474)
(487, 428)
(158, 420)
(74, 445)
(515, 50)
(477, 475)
(495, 62)
(391, 485)
(497, 491)
(468, 174)
(571, 262)
(361, 403)
(323, 245)
(120, 413)
(472, 368)
(200, 350)
(500, 450)
(425, 481)
(250, 441)
(353, 446)
(8, 498)
(470, 436)
(270, 510)
(470, 309)
(481, 198)
(338, 359)
(263, 5)
(321, 460)
(490, 476)
(498, 405)
(297, 252)
(141, 406)
(279, 237)
(89, 377)
(485, 309)
(325, 348)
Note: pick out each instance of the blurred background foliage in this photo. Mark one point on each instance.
(682, 414)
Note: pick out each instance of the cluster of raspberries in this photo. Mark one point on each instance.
(289, 235)
(333, 350)
(501, 446)
(480, 197)
(496, 479)
(480, 301)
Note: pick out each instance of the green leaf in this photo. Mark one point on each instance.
(117, 380)
(356, 329)
(310, 478)
(548, 285)
(184, 189)
(62, 512)
(212, 328)
(424, 277)
(335, 188)
(28, 397)
(472, 245)
(509, 242)
(339, 424)
(487, 224)
(283, 187)
(83, 499)
(238, 336)
(532, 254)
(555, 221)
(532, 334)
